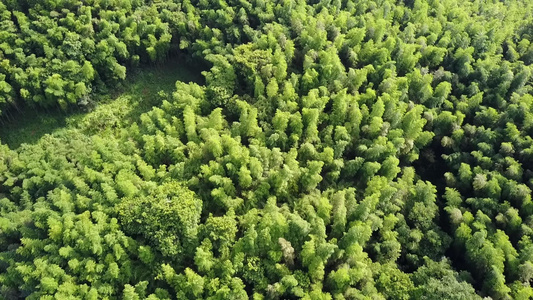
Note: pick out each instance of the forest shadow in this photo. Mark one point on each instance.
(28, 124)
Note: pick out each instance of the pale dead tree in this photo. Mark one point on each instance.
(288, 250)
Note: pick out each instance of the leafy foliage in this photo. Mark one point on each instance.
(338, 150)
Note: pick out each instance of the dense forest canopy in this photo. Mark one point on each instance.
(338, 149)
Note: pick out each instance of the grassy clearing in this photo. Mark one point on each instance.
(123, 105)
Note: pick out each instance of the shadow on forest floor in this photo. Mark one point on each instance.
(123, 103)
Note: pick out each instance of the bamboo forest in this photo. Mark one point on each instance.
(266, 149)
